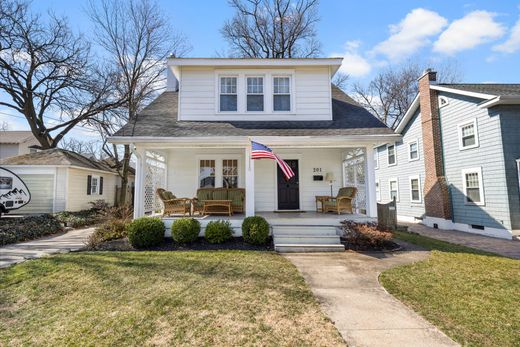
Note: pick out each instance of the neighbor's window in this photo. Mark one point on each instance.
(230, 173)
(415, 189)
(468, 136)
(378, 190)
(394, 189)
(255, 94)
(228, 94)
(390, 149)
(413, 150)
(473, 190)
(207, 174)
(94, 185)
(376, 159)
(281, 93)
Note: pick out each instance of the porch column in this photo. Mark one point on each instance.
(140, 172)
(370, 177)
(250, 182)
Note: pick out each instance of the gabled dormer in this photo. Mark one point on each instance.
(221, 89)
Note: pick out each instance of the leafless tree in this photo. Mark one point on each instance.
(138, 39)
(4, 126)
(341, 80)
(273, 28)
(47, 71)
(389, 95)
(87, 148)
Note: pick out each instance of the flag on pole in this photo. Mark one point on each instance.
(260, 151)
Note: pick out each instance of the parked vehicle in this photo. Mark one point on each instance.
(13, 191)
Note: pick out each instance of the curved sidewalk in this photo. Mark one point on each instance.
(62, 243)
(346, 285)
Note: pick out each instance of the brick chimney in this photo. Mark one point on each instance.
(436, 195)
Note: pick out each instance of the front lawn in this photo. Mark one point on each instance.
(160, 298)
(472, 296)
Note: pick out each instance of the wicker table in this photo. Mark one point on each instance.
(321, 199)
(217, 207)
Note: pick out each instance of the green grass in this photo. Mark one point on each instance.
(160, 298)
(473, 296)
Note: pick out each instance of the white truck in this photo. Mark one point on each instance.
(13, 191)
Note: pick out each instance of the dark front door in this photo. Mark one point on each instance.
(289, 190)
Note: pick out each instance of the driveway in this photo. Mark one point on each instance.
(346, 285)
(71, 241)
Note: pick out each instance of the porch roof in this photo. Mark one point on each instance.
(159, 120)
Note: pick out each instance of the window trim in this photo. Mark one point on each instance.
(388, 156)
(408, 145)
(98, 178)
(219, 93)
(459, 131)
(390, 180)
(376, 158)
(478, 171)
(291, 92)
(378, 190)
(263, 77)
(418, 178)
(219, 158)
(518, 173)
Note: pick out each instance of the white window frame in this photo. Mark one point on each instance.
(378, 189)
(291, 92)
(415, 177)
(263, 92)
(376, 158)
(394, 179)
(459, 131)
(219, 159)
(219, 93)
(388, 156)
(478, 171)
(441, 99)
(518, 172)
(408, 145)
(98, 179)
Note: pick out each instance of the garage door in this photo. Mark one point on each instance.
(42, 193)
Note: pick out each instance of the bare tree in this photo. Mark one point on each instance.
(138, 39)
(341, 80)
(47, 70)
(4, 126)
(87, 148)
(273, 28)
(389, 95)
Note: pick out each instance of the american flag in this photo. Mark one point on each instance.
(259, 151)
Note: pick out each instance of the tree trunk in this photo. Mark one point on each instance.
(124, 176)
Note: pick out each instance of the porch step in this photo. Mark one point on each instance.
(304, 230)
(307, 248)
(306, 238)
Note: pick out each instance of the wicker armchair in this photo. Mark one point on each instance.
(173, 205)
(342, 202)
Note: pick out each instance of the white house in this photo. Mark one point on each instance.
(13, 143)
(199, 132)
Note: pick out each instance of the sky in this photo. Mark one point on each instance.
(481, 38)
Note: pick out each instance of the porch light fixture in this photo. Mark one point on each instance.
(330, 177)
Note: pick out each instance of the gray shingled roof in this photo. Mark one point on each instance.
(160, 119)
(15, 136)
(56, 156)
(496, 89)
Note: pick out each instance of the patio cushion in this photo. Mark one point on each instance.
(236, 196)
(329, 203)
(346, 192)
(220, 194)
(168, 195)
(204, 194)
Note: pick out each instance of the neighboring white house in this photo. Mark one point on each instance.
(213, 108)
(61, 180)
(13, 143)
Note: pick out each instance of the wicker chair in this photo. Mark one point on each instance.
(342, 202)
(173, 205)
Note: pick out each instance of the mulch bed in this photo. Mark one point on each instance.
(387, 246)
(236, 243)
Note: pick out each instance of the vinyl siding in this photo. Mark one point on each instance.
(77, 197)
(488, 156)
(403, 170)
(8, 150)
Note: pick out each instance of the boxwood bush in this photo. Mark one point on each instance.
(27, 228)
(218, 231)
(185, 230)
(145, 232)
(255, 230)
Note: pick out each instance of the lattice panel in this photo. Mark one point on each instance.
(155, 177)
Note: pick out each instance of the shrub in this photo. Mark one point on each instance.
(27, 228)
(99, 205)
(123, 213)
(78, 219)
(365, 235)
(185, 230)
(255, 230)
(145, 232)
(218, 231)
(110, 230)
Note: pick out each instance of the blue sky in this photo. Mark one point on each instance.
(481, 37)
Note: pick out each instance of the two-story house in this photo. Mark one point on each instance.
(198, 133)
(457, 165)
(13, 143)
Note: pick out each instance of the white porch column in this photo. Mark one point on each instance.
(140, 172)
(250, 182)
(370, 177)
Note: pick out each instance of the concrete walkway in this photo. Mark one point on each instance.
(346, 285)
(507, 248)
(71, 241)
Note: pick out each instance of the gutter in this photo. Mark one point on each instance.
(501, 100)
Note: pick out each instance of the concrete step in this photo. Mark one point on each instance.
(305, 239)
(304, 230)
(307, 248)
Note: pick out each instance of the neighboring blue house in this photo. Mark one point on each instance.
(458, 163)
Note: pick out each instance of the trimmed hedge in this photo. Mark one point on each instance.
(14, 230)
(255, 230)
(218, 231)
(145, 232)
(185, 230)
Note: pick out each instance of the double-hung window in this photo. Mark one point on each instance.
(415, 189)
(255, 94)
(413, 150)
(207, 174)
(393, 186)
(392, 160)
(228, 94)
(282, 94)
(230, 173)
(468, 135)
(473, 187)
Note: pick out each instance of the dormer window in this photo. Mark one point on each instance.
(255, 94)
(282, 94)
(228, 94)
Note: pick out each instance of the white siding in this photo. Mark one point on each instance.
(77, 197)
(8, 150)
(198, 94)
(41, 187)
(60, 200)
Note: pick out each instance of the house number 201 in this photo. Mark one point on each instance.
(317, 169)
